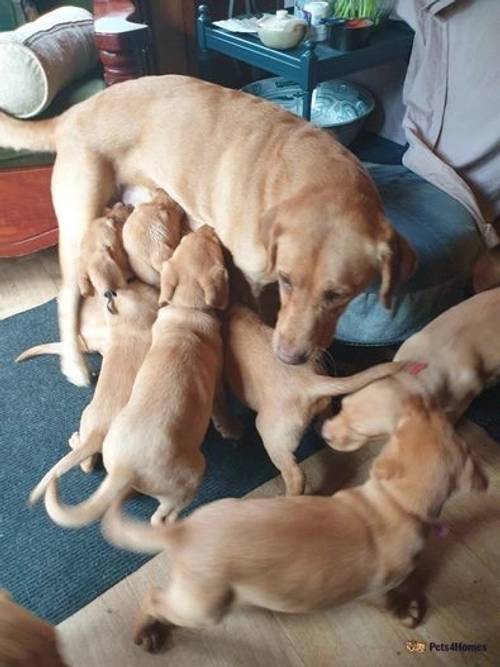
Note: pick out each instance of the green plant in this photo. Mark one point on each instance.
(353, 9)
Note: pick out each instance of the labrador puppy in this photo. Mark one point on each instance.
(287, 200)
(151, 234)
(306, 553)
(26, 640)
(461, 349)
(103, 262)
(153, 444)
(128, 341)
(286, 398)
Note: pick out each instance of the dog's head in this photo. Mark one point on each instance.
(196, 276)
(325, 248)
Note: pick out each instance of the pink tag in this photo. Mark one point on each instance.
(414, 367)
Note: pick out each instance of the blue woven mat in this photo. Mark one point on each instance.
(53, 571)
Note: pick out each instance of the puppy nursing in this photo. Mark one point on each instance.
(461, 348)
(301, 554)
(151, 234)
(153, 444)
(104, 264)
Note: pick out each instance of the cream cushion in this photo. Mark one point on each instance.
(42, 57)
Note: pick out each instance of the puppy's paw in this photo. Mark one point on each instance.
(409, 609)
(232, 430)
(75, 371)
(89, 464)
(413, 615)
(151, 636)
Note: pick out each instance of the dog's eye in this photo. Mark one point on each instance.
(331, 295)
(285, 281)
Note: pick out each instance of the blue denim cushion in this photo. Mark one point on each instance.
(446, 240)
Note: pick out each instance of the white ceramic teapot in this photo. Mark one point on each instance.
(282, 31)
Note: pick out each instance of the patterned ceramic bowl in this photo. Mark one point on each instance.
(337, 105)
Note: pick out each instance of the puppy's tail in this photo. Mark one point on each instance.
(74, 516)
(48, 348)
(37, 350)
(33, 135)
(92, 445)
(332, 386)
(137, 535)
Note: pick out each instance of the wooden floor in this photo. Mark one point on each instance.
(462, 572)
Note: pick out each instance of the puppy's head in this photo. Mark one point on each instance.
(427, 458)
(366, 415)
(325, 248)
(195, 276)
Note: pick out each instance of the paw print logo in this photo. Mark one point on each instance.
(414, 646)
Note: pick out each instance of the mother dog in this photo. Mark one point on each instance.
(286, 199)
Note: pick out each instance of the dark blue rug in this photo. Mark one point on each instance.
(53, 571)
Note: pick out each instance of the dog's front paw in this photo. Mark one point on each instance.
(151, 636)
(408, 609)
(76, 371)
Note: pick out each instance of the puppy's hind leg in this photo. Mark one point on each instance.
(166, 511)
(82, 184)
(280, 443)
(89, 464)
(185, 603)
(229, 426)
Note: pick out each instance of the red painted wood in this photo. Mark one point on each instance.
(120, 40)
(27, 218)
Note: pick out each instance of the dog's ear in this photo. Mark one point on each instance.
(168, 283)
(215, 286)
(269, 232)
(472, 478)
(397, 261)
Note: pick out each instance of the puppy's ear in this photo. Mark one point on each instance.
(397, 262)
(270, 230)
(472, 477)
(168, 283)
(215, 286)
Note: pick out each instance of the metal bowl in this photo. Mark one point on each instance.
(337, 105)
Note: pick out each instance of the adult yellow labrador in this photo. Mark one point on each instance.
(286, 199)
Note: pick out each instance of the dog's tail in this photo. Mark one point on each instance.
(137, 535)
(333, 386)
(33, 135)
(74, 516)
(92, 445)
(37, 350)
(48, 348)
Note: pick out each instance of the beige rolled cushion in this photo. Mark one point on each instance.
(42, 57)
